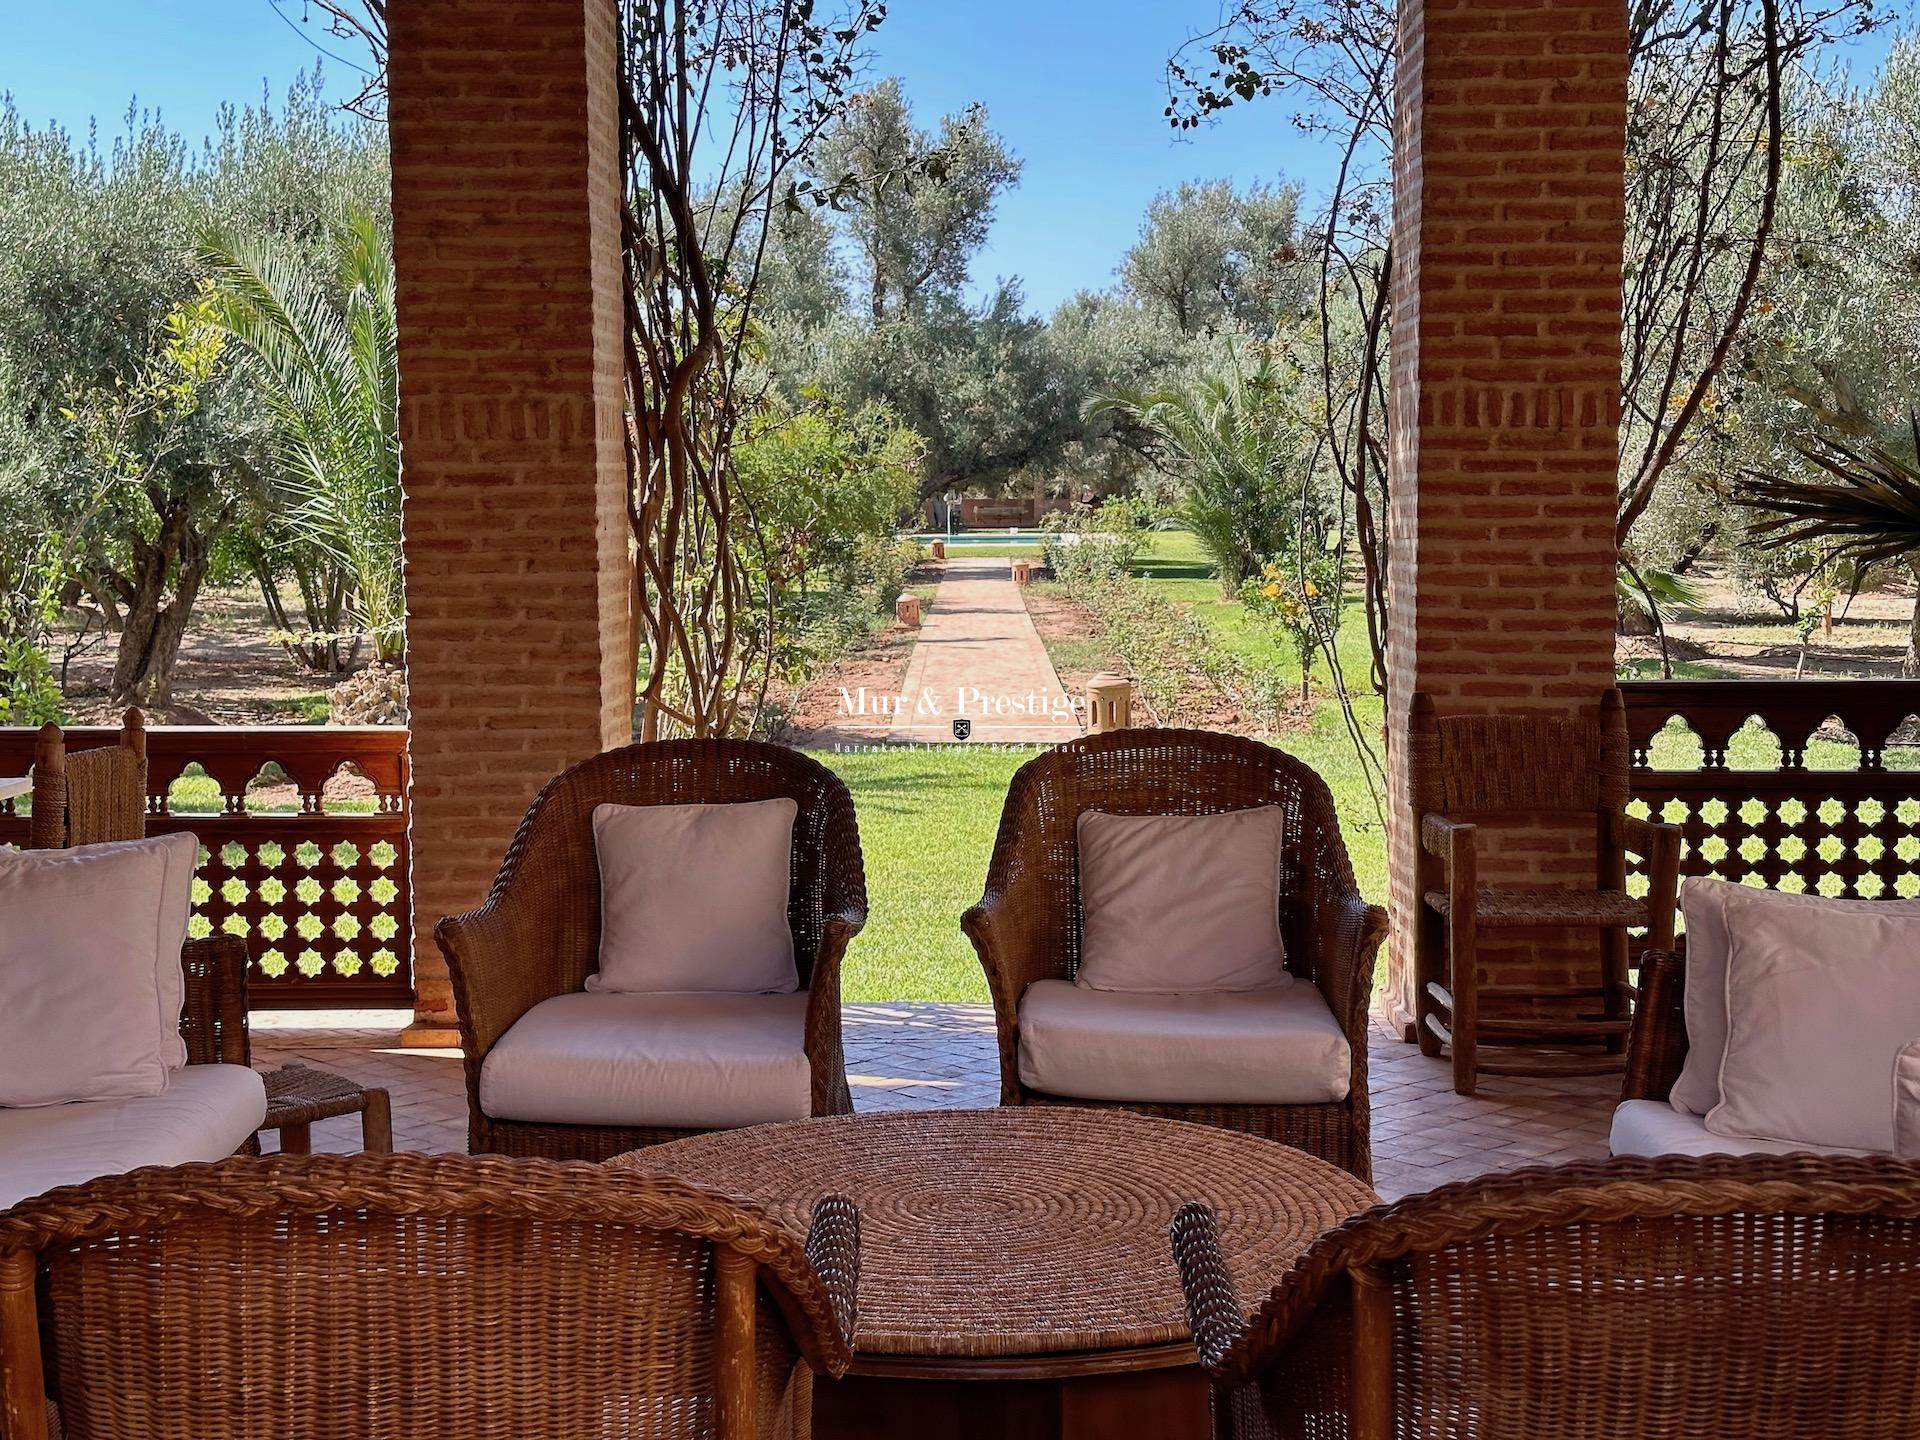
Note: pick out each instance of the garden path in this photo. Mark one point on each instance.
(978, 658)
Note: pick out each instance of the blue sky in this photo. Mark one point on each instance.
(1075, 87)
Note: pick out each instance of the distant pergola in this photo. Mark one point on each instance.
(1508, 226)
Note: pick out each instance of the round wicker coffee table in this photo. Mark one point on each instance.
(1015, 1270)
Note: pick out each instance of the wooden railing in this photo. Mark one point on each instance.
(317, 882)
(310, 869)
(1836, 811)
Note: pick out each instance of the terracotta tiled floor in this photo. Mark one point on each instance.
(902, 1056)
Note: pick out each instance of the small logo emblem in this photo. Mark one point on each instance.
(962, 729)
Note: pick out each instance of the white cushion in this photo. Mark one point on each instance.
(1703, 902)
(1181, 904)
(1820, 1000)
(694, 897)
(1653, 1127)
(89, 934)
(1257, 1047)
(206, 1113)
(697, 1061)
(1906, 1101)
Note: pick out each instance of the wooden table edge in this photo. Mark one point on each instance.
(1061, 1365)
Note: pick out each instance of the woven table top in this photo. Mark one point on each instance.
(1024, 1231)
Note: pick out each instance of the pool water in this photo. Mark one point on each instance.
(987, 537)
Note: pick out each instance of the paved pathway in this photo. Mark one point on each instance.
(978, 658)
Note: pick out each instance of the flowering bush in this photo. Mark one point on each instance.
(1299, 605)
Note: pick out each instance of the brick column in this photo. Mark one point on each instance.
(1508, 229)
(506, 196)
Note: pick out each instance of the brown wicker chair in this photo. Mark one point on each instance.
(408, 1295)
(213, 1021)
(1467, 769)
(538, 934)
(1657, 1046)
(89, 796)
(1629, 1298)
(1027, 925)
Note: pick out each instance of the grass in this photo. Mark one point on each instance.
(1176, 566)
(311, 709)
(197, 793)
(1648, 668)
(927, 822)
(928, 817)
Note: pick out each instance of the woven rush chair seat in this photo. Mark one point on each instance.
(300, 1095)
(485, 1298)
(1770, 1299)
(1503, 907)
(1028, 924)
(537, 937)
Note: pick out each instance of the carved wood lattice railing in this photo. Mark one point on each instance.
(1836, 810)
(310, 870)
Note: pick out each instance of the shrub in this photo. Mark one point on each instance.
(1097, 546)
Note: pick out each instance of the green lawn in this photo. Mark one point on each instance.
(927, 822)
(1175, 565)
(928, 817)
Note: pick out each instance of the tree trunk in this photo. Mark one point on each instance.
(156, 620)
(1910, 663)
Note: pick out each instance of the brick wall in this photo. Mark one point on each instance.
(1508, 225)
(506, 243)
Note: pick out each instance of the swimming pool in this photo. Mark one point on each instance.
(986, 537)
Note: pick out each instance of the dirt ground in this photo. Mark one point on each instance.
(814, 710)
(1744, 637)
(229, 671)
(1073, 639)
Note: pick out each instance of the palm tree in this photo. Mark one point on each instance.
(1871, 516)
(326, 357)
(1240, 459)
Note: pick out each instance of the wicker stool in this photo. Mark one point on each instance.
(298, 1095)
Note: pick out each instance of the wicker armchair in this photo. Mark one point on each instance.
(1729, 1297)
(213, 1021)
(1657, 1046)
(89, 796)
(408, 1295)
(1470, 768)
(538, 934)
(1027, 926)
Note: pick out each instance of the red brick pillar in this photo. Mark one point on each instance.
(506, 196)
(1508, 226)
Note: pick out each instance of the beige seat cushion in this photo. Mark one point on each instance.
(206, 1113)
(1820, 1001)
(1703, 903)
(693, 1061)
(1260, 1047)
(1906, 1101)
(90, 978)
(1653, 1127)
(1181, 904)
(693, 898)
